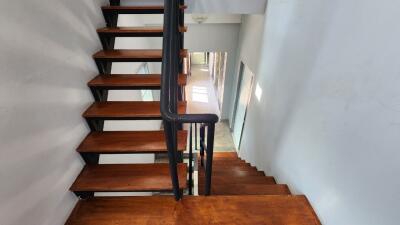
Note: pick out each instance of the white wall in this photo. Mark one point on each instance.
(216, 38)
(45, 63)
(248, 52)
(328, 119)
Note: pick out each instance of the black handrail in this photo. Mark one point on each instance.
(171, 66)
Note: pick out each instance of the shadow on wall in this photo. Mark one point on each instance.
(45, 63)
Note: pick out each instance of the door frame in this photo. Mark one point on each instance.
(237, 97)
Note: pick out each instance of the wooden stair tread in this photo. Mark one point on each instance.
(121, 110)
(133, 55)
(225, 155)
(229, 165)
(127, 177)
(195, 210)
(147, 9)
(236, 174)
(237, 180)
(116, 142)
(234, 171)
(247, 189)
(230, 162)
(151, 31)
(130, 81)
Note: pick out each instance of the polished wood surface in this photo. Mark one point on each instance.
(144, 9)
(135, 31)
(131, 81)
(141, 7)
(133, 54)
(248, 189)
(233, 176)
(127, 110)
(228, 180)
(195, 210)
(224, 156)
(128, 177)
(242, 172)
(116, 142)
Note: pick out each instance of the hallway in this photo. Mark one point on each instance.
(200, 92)
(201, 98)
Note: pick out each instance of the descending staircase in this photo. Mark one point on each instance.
(240, 193)
(233, 176)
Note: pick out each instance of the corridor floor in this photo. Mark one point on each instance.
(201, 98)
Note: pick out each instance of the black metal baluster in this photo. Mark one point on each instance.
(195, 136)
(170, 131)
(210, 150)
(190, 162)
(202, 142)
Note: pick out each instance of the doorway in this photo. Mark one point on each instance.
(205, 88)
(242, 99)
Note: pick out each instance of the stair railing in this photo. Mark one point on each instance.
(172, 65)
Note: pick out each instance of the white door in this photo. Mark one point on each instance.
(242, 100)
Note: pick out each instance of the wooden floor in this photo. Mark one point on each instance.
(194, 210)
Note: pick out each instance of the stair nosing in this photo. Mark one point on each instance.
(78, 187)
(84, 148)
(133, 55)
(144, 31)
(132, 85)
(112, 116)
(144, 9)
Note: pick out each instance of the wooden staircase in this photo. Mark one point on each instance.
(153, 177)
(240, 193)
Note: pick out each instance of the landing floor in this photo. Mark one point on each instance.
(194, 210)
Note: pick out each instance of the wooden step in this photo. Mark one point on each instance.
(130, 81)
(233, 175)
(132, 55)
(127, 177)
(149, 9)
(225, 156)
(195, 210)
(122, 142)
(133, 31)
(230, 162)
(238, 180)
(247, 189)
(236, 172)
(127, 110)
